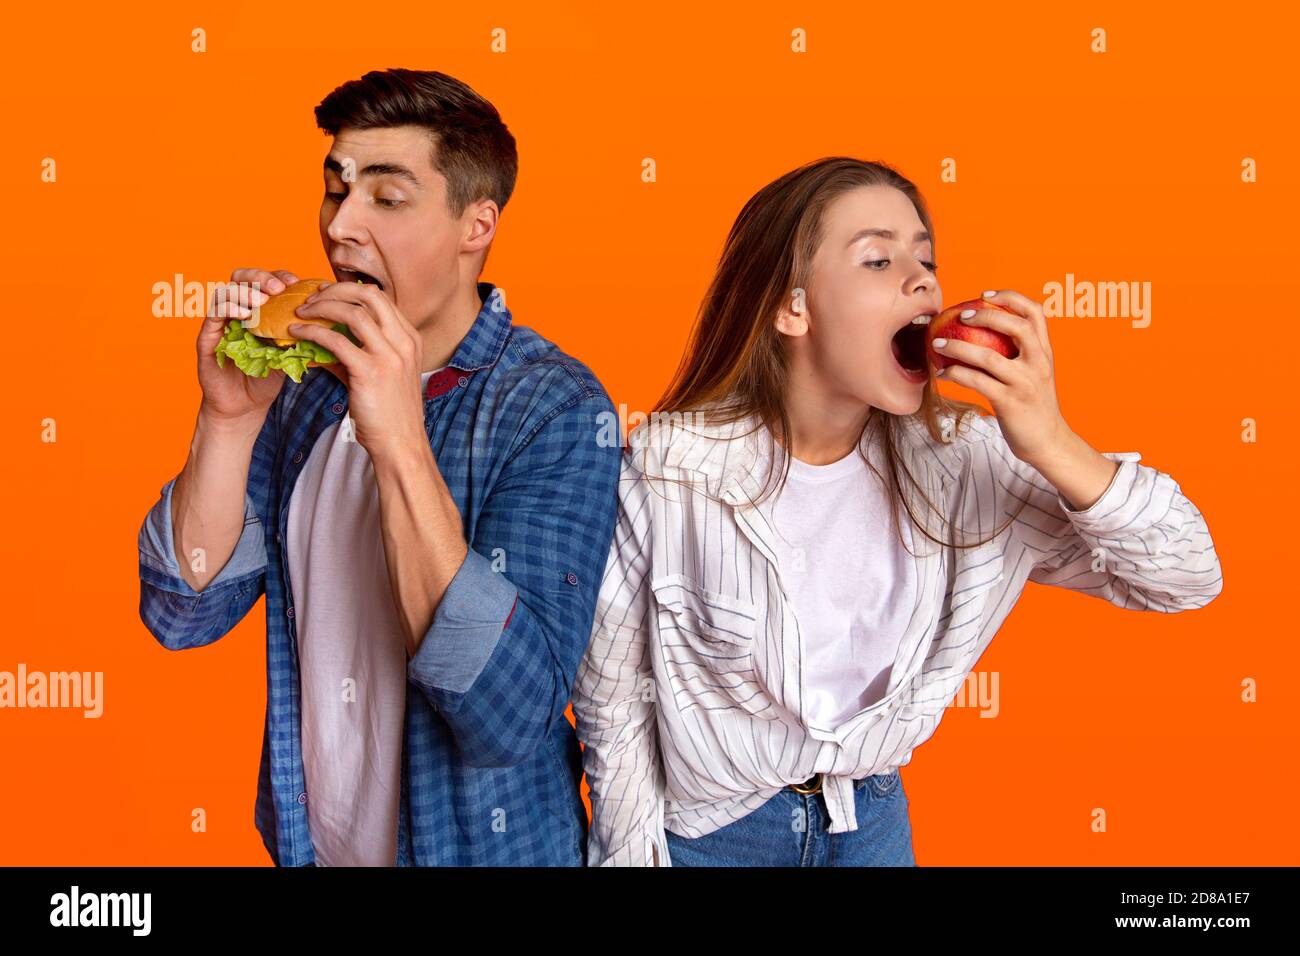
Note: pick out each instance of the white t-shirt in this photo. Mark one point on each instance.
(351, 652)
(847, 577)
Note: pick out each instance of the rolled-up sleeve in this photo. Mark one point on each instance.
(178, 616)
(174, 613)
(499, 657)
(1142, 545)
(474, 612)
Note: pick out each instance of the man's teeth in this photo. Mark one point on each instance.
(361, 277)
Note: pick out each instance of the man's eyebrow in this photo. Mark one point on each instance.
(377, 169)
(921, 236)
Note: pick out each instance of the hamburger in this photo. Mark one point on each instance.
(263, 342)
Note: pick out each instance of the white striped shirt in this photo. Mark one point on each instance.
(690, 697)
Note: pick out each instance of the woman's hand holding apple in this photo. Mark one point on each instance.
(1018, 381)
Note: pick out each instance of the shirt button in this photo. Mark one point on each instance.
(289, 613)
(571, 578)
(297, 457)
(302, 798)
(337, 408)
(462, 381)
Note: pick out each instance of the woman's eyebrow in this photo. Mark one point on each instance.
(922, 236)
(377, 169)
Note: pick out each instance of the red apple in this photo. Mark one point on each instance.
(946, 325)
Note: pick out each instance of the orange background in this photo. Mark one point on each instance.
(1122, 166)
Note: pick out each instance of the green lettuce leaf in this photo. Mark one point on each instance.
(257, 357)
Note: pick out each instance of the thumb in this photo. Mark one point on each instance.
(210, 332)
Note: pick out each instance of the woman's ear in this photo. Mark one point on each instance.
(792, 319)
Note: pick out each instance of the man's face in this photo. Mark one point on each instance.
(385, 213)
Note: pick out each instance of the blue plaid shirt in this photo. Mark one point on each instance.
(490, 765)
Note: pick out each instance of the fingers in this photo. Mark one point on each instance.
(265, 280)
(1020, 304)
(228, 301)
(1030, 310)
(996, 365)
(227, 304)
(985, 384)
(359, 322)
(390, 322)
(1020, 329)
(336, 342)
(246, 289)
(365, 310)
(236, 299)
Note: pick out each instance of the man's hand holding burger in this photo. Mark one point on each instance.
(207, 502)
(230, 396)
(383, 375)
(424, 537)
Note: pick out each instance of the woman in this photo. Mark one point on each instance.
(810, 554)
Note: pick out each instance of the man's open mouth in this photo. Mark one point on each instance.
(352, 275)
(908, 345)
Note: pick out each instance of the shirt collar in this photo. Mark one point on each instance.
(727, 454)
(486, 338)
(693, 442)
(479, 349)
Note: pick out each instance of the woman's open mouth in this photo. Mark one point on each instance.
(908, 348)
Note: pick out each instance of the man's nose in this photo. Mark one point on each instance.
(346, 221)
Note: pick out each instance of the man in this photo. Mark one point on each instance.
(429, 517)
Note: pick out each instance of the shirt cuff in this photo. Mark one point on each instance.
(158, 555)
(466, 627)
(639, 849)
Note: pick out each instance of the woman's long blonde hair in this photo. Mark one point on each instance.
(735, 365)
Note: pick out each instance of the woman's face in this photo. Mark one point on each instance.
(871, 276)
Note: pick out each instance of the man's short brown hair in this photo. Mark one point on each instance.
(472, 147)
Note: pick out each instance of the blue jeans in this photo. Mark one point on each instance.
(791, 829)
